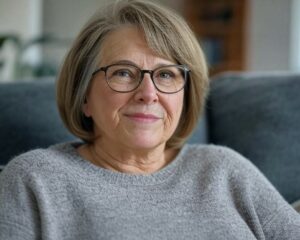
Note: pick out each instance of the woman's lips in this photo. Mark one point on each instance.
(143, 117)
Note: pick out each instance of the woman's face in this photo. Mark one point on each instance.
(142, 119)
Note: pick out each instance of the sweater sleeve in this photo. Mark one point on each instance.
(19, 218)
(261, 202)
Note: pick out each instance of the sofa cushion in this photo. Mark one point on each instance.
(28, 118)
(258, 115)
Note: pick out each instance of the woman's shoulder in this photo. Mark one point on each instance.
(39, 159)
(213, 152)
(221, 162)
(217, 156)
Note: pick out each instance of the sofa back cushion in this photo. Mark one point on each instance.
(29, 118)
(258, 115)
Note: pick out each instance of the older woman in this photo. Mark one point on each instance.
(132, 88)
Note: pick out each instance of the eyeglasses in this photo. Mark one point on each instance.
(125, 78)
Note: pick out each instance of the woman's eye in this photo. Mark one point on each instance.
(166, 75)
(123, 73)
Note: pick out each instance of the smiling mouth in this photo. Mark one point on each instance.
(143, 118)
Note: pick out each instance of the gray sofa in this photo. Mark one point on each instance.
(258, 115)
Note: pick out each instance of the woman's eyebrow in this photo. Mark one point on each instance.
(136, 65)
(125, 62)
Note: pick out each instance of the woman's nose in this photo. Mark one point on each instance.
(146, 92)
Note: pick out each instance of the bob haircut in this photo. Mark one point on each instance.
(166, 33)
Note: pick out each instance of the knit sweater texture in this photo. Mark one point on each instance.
(206, 192)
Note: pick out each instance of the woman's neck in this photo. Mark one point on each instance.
(122, 159)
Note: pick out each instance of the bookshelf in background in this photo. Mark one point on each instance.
(220, 27)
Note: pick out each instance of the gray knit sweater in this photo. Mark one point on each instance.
(207, 192)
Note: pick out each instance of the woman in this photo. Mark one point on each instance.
(132, 88)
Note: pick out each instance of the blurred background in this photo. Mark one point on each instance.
(236, 35)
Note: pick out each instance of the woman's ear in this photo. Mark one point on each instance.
(85, 108)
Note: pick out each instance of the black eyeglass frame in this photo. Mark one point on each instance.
(185, 69)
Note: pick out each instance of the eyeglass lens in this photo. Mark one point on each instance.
(126, 78)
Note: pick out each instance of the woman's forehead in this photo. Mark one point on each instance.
(128, 43)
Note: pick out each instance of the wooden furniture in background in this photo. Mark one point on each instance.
(220, 27)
